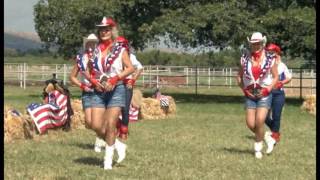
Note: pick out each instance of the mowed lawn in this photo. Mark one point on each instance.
(207, 139)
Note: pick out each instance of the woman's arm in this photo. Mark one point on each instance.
(73, 75)
(128, 67)
(239, 78)
(275, 76)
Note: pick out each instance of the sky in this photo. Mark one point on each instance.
(18, 15)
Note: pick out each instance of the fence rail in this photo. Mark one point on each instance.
(303, 80)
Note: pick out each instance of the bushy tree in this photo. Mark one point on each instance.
(190, 23)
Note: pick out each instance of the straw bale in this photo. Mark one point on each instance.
(136, 100)
(78, 119)
(151, 109)
(15, 127)
(309, 104)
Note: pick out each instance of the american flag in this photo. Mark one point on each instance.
(53, 114)
(133, 114)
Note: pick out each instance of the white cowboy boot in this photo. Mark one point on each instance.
(107, 164)
(257, 148)
(121, 149)
(270, 144)
(267, 134)
(99, 144)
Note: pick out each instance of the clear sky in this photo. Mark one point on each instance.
(18, 15)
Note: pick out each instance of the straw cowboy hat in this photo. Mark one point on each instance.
(106, 22)
(257, 37)
(91, 38)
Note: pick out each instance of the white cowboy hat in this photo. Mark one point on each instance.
(106, 22)
(91, 38)
(257, 37)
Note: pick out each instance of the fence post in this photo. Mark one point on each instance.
(209, 77)
(157, 76)
(57, 70)
(230, 79)
(24, 75)
(150, 76)
(20, 75)
(311, 74)
(300, 83)
(196, 79)
(64, 74)
(143, 77)
(187, 76)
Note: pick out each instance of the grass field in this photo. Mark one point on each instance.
(208, 139)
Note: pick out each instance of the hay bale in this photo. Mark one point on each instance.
(78, 119)
(151, 109)
(309, 104)
(136, 100)
(15, 126)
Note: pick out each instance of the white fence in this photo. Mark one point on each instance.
(153, 76)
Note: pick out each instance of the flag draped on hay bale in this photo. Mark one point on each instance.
(309, 104)
(151, 108)
(77, 119)
(56, 110)
(16, 126)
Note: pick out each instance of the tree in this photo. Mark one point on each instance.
(190, 23)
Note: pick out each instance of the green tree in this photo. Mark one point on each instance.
(191, 23)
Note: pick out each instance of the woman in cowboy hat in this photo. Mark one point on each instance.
(81, 65)
(278, 99)
(258, 74)
(111, 64)
(129, 82)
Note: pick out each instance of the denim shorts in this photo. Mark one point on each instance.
(256, 103)
(91, 99)
(114, 98)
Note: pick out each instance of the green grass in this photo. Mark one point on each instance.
(208, 139)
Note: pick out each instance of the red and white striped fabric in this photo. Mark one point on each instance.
(133, 114)
(53, 114)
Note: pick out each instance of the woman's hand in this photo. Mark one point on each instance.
(248, 93)
(265, 91)
(99, 87)
(111, 83)
(108, 86)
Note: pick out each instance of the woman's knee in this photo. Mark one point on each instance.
(251, 126)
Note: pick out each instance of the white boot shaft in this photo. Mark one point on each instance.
(270, 144)
(257, 148)
(121, 150)
(108, 157)
(99, 144)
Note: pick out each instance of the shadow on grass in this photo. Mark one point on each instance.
(83, 146)
(209, 98)
(238, 151)
(93, 161)
(251, 137)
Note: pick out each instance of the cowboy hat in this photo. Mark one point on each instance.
(257, 37)
(106, 22)
(91, 38)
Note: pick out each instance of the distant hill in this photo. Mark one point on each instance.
(21, 41)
